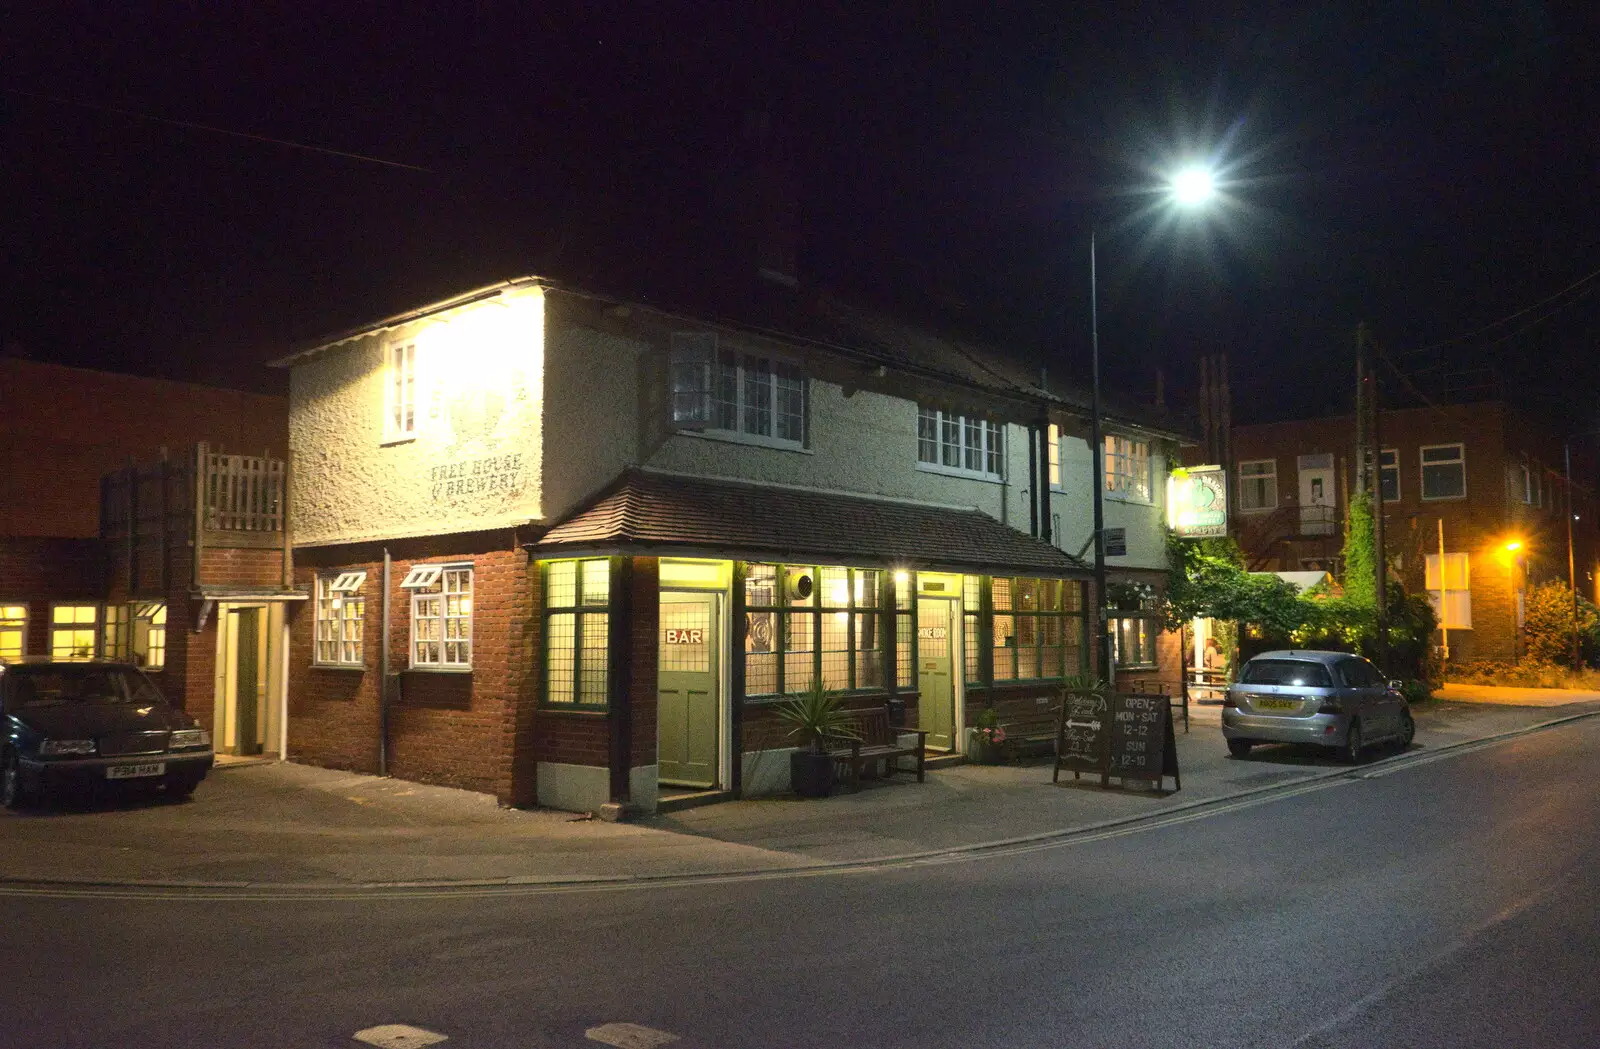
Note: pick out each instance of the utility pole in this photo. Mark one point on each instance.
(1369, 452)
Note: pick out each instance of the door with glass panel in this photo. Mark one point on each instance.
(936, 699)
(688, 695)
(1318, 514)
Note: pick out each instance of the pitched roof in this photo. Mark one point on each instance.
(644, 511)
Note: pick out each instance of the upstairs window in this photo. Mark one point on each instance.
(1258, 484)
(400, 392)
(13, 631)
(959, 444)
(1389, 474)
(1444, 471)
(1053, 458)
(1127, 469)
(727, 391)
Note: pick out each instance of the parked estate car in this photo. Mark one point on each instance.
(1329, 699)
(92, 721)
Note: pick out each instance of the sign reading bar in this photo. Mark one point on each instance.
(685, 635)
(1197, 502)
(1127, 735)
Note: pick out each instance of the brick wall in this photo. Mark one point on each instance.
(456, 729)
(63, 428)
(36, 572)
(222, 566)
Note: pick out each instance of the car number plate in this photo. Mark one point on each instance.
(149, 768)
(1278, 704)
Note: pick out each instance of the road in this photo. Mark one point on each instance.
(1448, 903)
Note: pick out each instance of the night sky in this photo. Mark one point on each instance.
(1427, 167)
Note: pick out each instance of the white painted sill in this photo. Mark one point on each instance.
(748, 440)
(956, 471)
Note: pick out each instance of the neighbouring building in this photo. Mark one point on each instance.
(128, 519)
(1475, 509)
(572, 551)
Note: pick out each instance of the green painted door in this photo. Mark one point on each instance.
(687, 715)
(936, 699)
(247, 681)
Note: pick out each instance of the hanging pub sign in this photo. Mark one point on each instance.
(1121, 735)
(1197, 502)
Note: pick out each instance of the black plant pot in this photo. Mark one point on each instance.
(811, 774)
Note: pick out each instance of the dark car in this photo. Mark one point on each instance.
(92, 722)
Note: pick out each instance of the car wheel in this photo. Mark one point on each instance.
(13, 795)
(1239, 747)
(1353, 744)
(1408, 730)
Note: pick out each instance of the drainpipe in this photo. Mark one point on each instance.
(383, 675)
(1033, 483)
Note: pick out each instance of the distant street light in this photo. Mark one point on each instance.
(1190, 188)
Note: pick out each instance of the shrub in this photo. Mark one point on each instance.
(1548, 625)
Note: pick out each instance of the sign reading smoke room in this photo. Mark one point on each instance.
(468, 477)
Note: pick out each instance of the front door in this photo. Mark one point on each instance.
(247, 684)
(688, 712)
(1316, 495)
(936, 698)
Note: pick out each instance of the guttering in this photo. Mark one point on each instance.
(488, 291)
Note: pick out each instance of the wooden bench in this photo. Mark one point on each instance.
(877, 741)
(1030, 727)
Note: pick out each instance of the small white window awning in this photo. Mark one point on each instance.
(421, 577)
(347, 583)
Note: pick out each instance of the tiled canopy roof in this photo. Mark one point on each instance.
(646, 511)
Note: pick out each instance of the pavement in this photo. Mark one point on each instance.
(285, 826)
(1498, 695)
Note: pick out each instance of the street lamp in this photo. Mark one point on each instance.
(1189, 188)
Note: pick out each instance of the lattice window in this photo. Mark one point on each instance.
(441, 620)
(340, 619)
(577, 600)
(1037, 628)
(805, 621)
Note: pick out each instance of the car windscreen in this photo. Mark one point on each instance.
(39, 686)
(1286, 672)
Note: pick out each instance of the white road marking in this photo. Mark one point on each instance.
(399, 1036)
(629, 1036)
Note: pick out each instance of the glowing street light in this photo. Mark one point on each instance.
(1193, 185)
(1191, 188)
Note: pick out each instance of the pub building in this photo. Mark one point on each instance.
(571, 551)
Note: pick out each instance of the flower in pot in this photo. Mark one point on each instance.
(816, 718)
(987, 738)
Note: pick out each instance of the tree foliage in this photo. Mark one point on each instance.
(1548, 621)
(1360, 559)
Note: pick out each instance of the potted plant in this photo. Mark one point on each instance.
(988, 739)
(816, 717)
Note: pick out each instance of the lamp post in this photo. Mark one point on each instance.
(1191, 187)
(1572, 571)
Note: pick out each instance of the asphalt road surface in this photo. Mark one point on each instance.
(1448, 903)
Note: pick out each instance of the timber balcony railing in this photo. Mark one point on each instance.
(205, 500)
(1261, 538)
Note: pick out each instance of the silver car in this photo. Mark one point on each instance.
(1328, 699)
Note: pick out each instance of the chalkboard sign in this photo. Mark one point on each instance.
(1126, 735)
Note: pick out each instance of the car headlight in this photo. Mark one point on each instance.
(189, 737)
(53, 748)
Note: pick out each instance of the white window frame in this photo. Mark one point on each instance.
(331, 594)
(422, 598)
(400, 391)
(1126, 472)
(973, 436)
(155, 633)
(93, 627)
(1242, 477)
(701, 371)
(19, 626)
(1452, 603)
(1423, 465)
(1393, 454)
